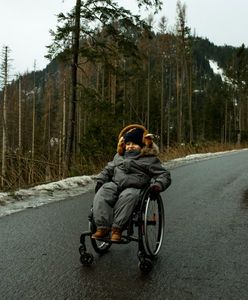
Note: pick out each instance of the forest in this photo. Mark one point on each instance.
(110, 68)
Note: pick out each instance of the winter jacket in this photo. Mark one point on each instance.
(136, 172)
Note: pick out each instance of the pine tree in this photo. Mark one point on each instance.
(78, 37)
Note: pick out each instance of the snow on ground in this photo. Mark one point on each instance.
(44, 194)
(69, 187)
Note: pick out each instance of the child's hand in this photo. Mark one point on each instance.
(155, 189)
(98, 185)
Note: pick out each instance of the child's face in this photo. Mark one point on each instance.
(130, 146)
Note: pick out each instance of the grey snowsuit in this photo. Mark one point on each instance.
(122, 179)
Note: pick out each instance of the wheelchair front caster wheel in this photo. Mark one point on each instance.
(145, 265)
(86, 259)
(82, 250)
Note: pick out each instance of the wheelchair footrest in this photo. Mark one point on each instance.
(125, 239)
(104, 239)
(129, 238)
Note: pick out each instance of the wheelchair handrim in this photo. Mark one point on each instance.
(160, 234)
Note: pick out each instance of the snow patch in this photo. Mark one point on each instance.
(72, 186)
(44, 194)
(219, 71)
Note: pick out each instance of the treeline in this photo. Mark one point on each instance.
(110, 68)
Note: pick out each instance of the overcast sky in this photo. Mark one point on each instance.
(25, 25)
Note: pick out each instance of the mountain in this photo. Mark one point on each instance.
(171, 85)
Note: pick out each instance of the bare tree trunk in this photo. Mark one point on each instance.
(20, 116)
(240, 123)
(162, 108)
(181, 115)
(148, 93)
(79, 120)
(103, 82)
(191, 137)
(124, 95)
(179, 109)
(113, 90)
(97, 77)
(70, 153)
(33, 128)
(63, 129)
(19, 130)
(225, 126)
(60, 160)
(168, 112)
(4, 136)
(49, 136)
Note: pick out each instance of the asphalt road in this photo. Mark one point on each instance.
(204, 254)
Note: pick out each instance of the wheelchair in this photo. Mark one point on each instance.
(145, 226)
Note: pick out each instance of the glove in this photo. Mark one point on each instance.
(98, 185)
(155, 189)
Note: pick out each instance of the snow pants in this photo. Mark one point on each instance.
(112, 208)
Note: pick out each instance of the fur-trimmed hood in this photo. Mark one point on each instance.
(150, 148)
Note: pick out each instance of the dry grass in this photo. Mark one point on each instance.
(184, 150)
(94, 166)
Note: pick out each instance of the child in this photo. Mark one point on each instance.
(118, 185)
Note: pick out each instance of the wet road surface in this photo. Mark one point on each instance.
(204, 254)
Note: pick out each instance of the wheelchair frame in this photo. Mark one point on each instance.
(148, 217)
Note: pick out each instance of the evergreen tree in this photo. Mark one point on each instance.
(78, 36)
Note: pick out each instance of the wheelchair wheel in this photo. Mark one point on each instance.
(145, 265)
(86, 259)
(99, 246)
(153, 225)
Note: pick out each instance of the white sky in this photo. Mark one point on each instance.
(25, 25)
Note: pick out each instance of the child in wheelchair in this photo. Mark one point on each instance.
(135, 165)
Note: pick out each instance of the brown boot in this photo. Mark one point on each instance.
(101, 233)
(116, 234)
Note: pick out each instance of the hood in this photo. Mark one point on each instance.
(150, 148)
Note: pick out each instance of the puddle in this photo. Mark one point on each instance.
(244, 200)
